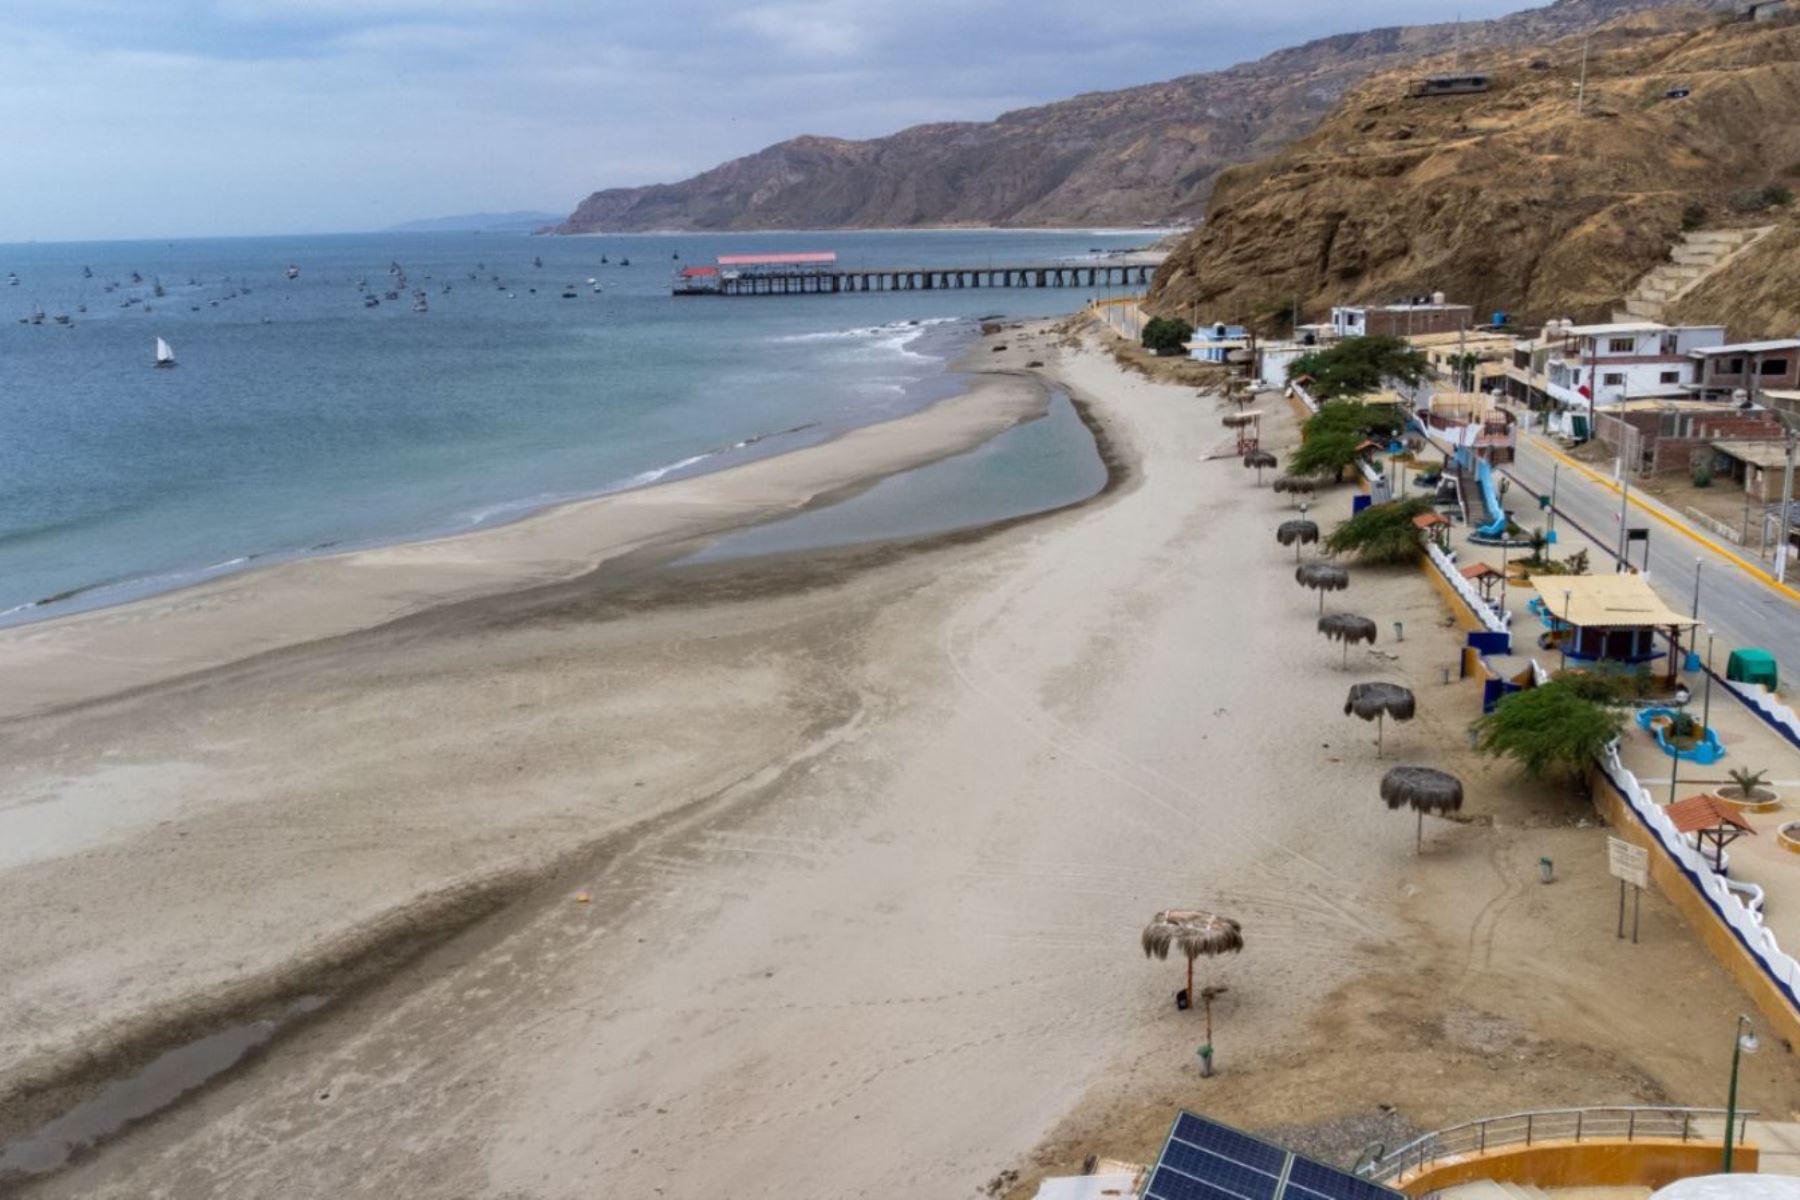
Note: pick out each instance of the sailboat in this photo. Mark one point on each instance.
(165, 357)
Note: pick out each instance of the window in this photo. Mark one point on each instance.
(1773, 366)
(1734, 366)
(1620, 345)
(1671, 377)
(1613, 379)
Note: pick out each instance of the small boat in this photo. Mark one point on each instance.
(293, 272)
(63, 319)
(536, 261)
(87, 272)
(676, 257)
(569, 292)
(81, 308)
(157, 291)
(596, 289)
(390, 295)
(136, 278)
(165, 356)
(371, 301)
(624, 262)
(603, 260)
(420, 306)
(12, 279)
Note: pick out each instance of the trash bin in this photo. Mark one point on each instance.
(1753, 666)
(1546, 871)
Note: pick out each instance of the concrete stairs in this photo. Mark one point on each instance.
(1697, 256)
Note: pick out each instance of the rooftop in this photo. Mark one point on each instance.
(1769, 454)
(1608, 602)
(1747, 348)
(1621, 327)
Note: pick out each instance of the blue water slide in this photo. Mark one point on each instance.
(1484, 475)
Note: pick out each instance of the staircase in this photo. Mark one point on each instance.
(1697, 256)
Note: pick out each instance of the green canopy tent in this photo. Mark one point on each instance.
(1753, 666)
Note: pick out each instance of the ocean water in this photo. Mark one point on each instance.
(299, 420)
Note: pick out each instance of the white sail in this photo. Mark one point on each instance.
(163, 353)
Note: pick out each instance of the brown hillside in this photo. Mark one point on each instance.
(1508, 200)
(1142, 154)
(1758, 294)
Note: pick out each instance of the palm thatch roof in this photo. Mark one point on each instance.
(1322, 576)
(1239, 419)
(1372, 700)
(1259, 459)
(1422, 789)
(1298, 484)
(1303, 532)
(1192, 931)
(1347, 628)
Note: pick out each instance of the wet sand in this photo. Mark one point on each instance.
(813, 875)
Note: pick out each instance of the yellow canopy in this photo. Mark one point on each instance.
(1616, 601)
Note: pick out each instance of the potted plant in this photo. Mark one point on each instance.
(1683, 731)
(1747, 789)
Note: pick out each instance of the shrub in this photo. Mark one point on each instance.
(1603, 687)
(1548, 730)
(1325, 453)
(1381, 533)
(1166, 335)
(1754, 200)
(1693, 216)
(1703, 476)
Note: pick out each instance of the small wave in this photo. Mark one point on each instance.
(655, 473)
(909, 329)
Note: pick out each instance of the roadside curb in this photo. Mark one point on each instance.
(1678, 526)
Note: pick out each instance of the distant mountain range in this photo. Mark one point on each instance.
(523, 221)
(1146, 154)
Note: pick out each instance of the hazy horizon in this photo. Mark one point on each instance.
(224, 118)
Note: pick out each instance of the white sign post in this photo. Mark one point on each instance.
(1628, 864)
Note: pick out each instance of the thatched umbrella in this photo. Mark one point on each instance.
(1425, 790)
(1296, 486)
(1259, 459)
(1378, 701)
(1193, 932)
(1296, 534)
(1347, 628)
(1322, 577)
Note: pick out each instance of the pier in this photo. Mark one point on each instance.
(819, 274)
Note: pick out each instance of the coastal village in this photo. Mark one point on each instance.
(1599, 511)
(1376, 776)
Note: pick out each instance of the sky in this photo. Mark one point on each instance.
(177, 118)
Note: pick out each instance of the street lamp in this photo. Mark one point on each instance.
(1706, 704)
(1562, 642)
(1745, 1043)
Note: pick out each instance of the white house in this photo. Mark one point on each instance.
(1598, 366)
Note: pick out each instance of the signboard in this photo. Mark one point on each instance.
(1628, 863)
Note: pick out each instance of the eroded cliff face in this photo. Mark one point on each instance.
(1508, 200)
(1144, 154)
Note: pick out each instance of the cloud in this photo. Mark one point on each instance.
(166, 117)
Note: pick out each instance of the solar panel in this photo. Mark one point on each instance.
(1204, 1160)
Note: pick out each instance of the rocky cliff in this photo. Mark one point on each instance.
(1512, 200)
(1144, 154)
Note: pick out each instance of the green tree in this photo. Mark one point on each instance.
(1381, 533)
(1166, 335)
(1358, 366)
(1550, 729)
(1326, 453)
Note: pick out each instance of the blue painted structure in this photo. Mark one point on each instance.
(1484, 475)
(1212, 343)
(1705, 752)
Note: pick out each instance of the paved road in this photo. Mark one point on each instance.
(1743, 610)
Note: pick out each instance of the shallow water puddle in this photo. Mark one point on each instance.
(165, 1080)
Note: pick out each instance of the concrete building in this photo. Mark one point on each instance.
(1429, 315)
(1591, 367)
(1214, 343)
(1750, 367)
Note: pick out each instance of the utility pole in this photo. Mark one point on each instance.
(1787, 503)
(1624, 515)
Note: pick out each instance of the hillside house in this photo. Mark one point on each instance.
(1767, 10)
(1405, 319)
(1750, 367)
(1587, 367)
(1214, 343)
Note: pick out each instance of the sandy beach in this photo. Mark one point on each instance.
(821, 874)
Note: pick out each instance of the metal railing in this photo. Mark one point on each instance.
(1552, 1125)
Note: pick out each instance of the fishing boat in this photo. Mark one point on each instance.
(165, 356)
(624, 262)
(87, 272)
(12, 279)
(569, 292)
(293, 272)
(536, 261)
